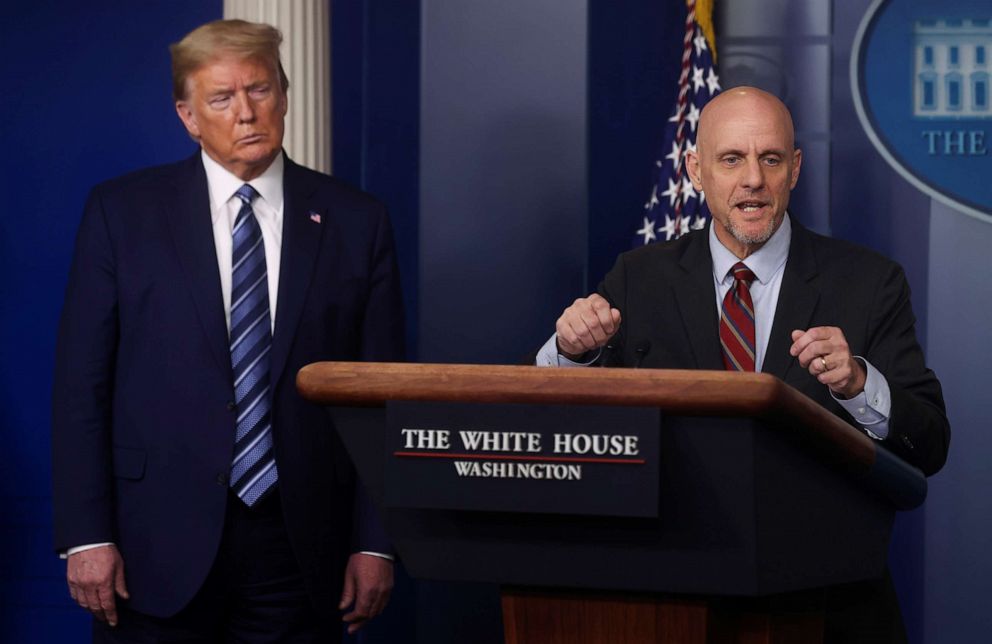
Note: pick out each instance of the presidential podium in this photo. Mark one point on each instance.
(620, 505)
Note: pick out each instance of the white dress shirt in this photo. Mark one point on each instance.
(224, 207)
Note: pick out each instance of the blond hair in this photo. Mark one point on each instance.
(207, 43)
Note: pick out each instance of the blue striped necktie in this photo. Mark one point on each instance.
(253, 470)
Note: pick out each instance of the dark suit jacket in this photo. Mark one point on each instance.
(667, 299)
(666, 295)
(143, 422)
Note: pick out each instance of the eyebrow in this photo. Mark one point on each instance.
(743, 153)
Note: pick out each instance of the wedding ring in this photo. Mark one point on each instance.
(823, 363)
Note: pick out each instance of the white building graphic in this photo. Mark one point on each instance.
(953, 63)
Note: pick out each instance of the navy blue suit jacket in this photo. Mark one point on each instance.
(143, 427)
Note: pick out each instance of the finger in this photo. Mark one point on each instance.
(356, 626)
(809, 357)
(93, 604)
(832, 351)
(362, 612)
(594, 324)
(363, 603)
(347, 593)
(577, 331)
(120, 587)
(841, 374)
(353, 616)
(819, 356)
(835, 378)
(381, 602)
(355, 619)
(605, 314)
(377, 602)
(802, 339)
(108, 606)
(567, 329)
(568, 339)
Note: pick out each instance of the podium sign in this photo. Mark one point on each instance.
(552, 459)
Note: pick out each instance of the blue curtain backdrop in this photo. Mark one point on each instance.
(87, 97)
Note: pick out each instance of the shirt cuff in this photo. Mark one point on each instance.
(377, 554)
(548, 356)
(88, 546)
(870, 408)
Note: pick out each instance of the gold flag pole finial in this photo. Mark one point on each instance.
(704, 17)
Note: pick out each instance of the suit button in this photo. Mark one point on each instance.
(230, 405)
(222, 479)
(908, 443)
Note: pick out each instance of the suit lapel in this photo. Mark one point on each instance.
(301, 235)
(696, 299)
(188, 213)
(797, 300)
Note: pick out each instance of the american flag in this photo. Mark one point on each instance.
(674, 206)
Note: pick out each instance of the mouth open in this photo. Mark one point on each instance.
(750, 207)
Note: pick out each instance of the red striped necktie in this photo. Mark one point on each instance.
(737, 322)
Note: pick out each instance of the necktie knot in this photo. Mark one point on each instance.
(246, 194)
(742, 273)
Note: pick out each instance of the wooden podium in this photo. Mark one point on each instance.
(765, 498)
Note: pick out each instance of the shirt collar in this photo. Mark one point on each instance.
(764, 262)
(222, 184)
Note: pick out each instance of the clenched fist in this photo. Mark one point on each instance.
(586, 325)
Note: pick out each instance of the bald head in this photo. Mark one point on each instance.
(747, 164)
(750, 103)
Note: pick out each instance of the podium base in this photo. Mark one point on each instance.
(533, 616)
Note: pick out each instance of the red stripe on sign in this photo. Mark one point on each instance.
(511, 457)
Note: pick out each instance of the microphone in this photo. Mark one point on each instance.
(607, 356)
(642, 349)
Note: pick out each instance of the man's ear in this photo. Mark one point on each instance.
(692, 168)
(797, 164)
(188, 118)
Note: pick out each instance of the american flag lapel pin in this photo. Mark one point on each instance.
(315, 217)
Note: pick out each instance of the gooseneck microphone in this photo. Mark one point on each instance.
(608, 356)
(642, 349)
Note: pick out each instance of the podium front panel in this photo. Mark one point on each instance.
(741, 511)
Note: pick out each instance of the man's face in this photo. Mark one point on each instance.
(747, 164)
(236, 109)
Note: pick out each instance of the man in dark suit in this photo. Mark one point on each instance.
(197, 497)
(757, 291)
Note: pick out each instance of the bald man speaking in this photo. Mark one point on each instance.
(755, 291)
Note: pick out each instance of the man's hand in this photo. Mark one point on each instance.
(823, 351)
(95, 576)
(368, 580)
(586, 325)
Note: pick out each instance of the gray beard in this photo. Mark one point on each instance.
(754, 239)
